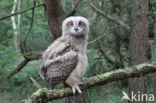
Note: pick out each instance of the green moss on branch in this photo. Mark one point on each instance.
(100, 79)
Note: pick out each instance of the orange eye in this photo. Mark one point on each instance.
(80, 24)
(71, 25)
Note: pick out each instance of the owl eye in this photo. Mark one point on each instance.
(71, 25)
(80, 24)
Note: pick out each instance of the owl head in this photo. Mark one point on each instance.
(75, 26)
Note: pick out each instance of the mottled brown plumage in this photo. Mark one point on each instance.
(62, 61)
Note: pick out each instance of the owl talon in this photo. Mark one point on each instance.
(74, 90)
(78, 89)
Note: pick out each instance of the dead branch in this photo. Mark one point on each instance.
(36, 84)
(101, 79)
(23, 64)
(111, 18)
(21, 12)
(18, 68)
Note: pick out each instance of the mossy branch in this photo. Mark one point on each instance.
(101, 79)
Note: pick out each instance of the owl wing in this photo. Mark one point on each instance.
(59, 63)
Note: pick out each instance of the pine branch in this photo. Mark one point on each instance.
(101, 79)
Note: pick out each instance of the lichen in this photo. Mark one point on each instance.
(149, 64)
(127, 70)
(61, 92)
(38, 92)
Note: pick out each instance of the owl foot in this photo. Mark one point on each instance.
(76, 87)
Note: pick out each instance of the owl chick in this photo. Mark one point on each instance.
(65, 60)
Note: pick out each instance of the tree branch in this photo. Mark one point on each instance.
(101, 79)
(111, 18)
(22, 65)
(21, 12)
(96, 39)
(18, 68)
(116, 65)
(32, 20)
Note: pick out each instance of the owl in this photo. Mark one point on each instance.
(65, 60)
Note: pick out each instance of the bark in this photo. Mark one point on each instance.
(18, 22)
(101, 79)
(14, 25)
(55, 15)
(153, 42)
(138, 43)
(19, 15)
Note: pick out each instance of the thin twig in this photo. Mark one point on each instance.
(32, 19)
(21, 12)
(36, 84)
(116, 65)
(95, 39)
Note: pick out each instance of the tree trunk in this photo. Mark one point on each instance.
(138, 44)
(18, 23)
(15, 34)
(16, 26)
(55, 15)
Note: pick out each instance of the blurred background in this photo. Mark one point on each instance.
(108, 46)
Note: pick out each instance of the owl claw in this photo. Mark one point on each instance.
(78, 89)
(74, 88)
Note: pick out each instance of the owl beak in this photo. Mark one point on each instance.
(76, 28)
